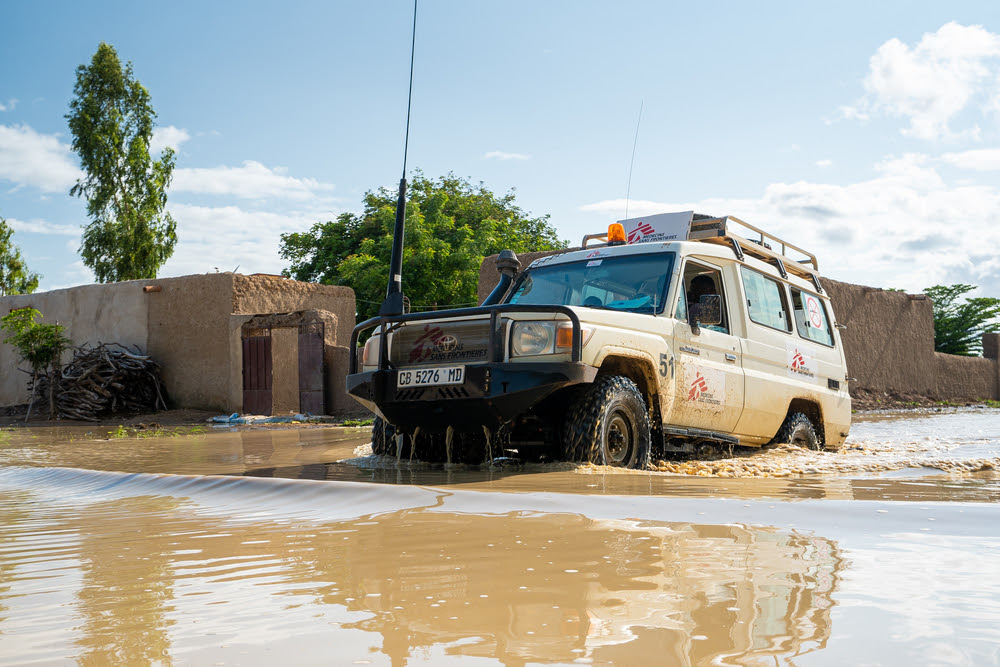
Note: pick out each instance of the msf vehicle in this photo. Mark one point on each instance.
(671, 332)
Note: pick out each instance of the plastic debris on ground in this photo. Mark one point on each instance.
(236, 418)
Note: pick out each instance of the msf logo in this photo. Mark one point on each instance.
(643, 230)
(698, 387)
(798, 362)
(427, 343)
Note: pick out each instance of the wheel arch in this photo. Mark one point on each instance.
(810, 409)
(640, 369)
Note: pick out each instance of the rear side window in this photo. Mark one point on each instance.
(766, 301)
(810, 317)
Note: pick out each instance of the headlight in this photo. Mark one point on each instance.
(369, 357)
(529, 338)
(534, 338)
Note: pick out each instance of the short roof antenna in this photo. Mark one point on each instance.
(628, 188)
(393, 304)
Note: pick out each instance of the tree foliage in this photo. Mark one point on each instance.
(959, 321)
(39, 345)
(130, 235)
(451, 225)
(15, 278)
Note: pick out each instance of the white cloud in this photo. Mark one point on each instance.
(168, 136)
(76, 273)
(636, 207)
(9, 106)
(251, 181)
(906, 227)
(929, 84)
(985, 159)
(228, 236)
(39, 226)
(824, 163)
(28, 158)
(500, 155)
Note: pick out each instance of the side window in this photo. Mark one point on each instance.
(701, 279)
(765, 300)
(810, 317)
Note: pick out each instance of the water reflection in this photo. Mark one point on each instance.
(157, 579)
(127, 583)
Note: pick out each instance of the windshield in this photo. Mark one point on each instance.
(634, 283)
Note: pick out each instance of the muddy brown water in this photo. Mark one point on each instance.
(254, 547)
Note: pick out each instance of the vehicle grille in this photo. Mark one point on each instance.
(440, 343)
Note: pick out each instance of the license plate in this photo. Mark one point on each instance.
(429, 377)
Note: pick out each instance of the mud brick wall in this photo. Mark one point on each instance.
(191, 326)
(965, 377)
(889, 342)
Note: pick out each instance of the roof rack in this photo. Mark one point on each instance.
(602, 236)
(768, 247)
(719, 230)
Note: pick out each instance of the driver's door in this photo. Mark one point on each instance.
(709, 388)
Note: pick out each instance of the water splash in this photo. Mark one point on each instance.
(489, 444)
(413, 442)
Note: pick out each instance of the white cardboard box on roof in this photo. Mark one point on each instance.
(660, 228)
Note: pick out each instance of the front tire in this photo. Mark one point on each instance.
(608, 424)
(383, 438)
(798, 430)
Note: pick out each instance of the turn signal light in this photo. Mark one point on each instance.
(564, 337)
(616, 234)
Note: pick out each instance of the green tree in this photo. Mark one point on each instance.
(14, 275)
(451, 225)
(959, 321)
(130, 235)
(39, 345)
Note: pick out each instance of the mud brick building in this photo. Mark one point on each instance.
(229, 342)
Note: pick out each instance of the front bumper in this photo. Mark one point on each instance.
(491, 394)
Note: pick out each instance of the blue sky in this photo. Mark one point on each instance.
(868, 133)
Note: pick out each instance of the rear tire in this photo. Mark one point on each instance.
(798, 430)
(608, 424)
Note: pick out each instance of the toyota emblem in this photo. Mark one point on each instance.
(446, 343)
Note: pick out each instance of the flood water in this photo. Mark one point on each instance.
(261, 546)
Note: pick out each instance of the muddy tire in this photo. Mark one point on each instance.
(383, 438)
(798, 430)
(608, 424)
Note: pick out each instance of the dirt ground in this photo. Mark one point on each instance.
(867, 400)
(14, 416)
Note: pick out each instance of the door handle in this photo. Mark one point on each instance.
(730, 357)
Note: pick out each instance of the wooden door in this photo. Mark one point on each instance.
(257, 397)
(311, 368)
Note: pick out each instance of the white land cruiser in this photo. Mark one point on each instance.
(675, 332)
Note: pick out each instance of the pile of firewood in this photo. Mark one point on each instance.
(103, 380)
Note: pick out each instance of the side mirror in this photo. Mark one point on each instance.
(708, 310)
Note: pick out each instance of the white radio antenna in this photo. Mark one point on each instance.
(628, 188)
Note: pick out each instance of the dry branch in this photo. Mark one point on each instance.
(102, 380)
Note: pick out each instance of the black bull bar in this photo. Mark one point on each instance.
(493, 392)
